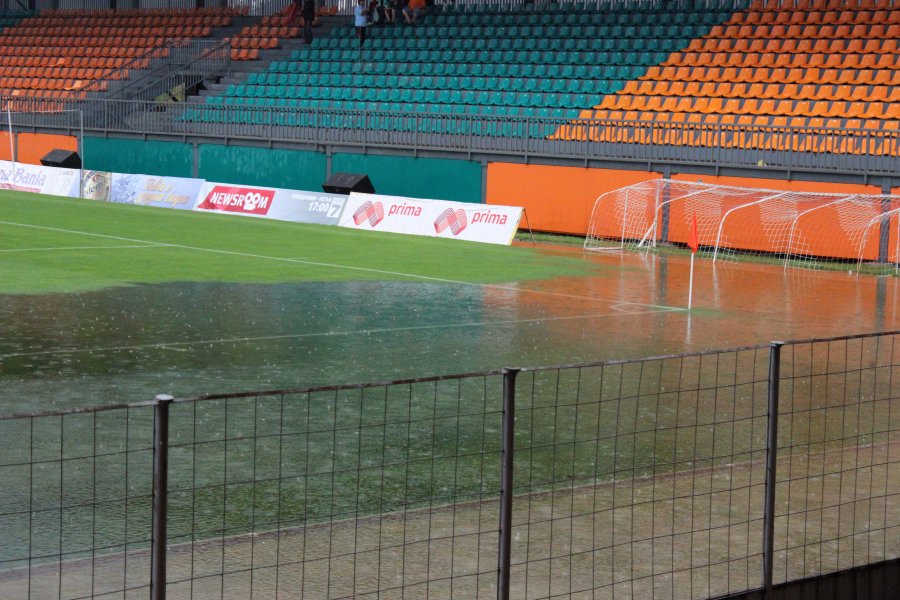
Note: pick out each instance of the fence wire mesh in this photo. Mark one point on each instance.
(342, 493)
(838, 485)
(642, 479)
(645, 478)
(75, 504)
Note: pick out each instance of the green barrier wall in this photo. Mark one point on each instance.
(435, 178)
(138, 156)
(440, 179)
(291, 169)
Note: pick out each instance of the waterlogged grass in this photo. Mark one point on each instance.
(59, 245)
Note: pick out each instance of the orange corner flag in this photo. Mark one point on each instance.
(693, 242)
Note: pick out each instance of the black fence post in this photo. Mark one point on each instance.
(160, 499)
(884, 231)
(507, 438)
(771, 463)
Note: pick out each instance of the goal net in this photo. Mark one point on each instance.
(801, 229)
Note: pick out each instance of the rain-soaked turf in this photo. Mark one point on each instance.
(51, 244)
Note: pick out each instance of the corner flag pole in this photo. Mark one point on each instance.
(693, 243)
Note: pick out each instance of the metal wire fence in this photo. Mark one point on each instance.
(686, 476)
(840, 149)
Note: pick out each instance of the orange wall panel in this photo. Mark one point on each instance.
(556, 199)
(34, 146)
(560, 199)
(4, 146)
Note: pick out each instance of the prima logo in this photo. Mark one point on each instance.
(455, 220)
(373, 212)
(405, 210)
(489, 218)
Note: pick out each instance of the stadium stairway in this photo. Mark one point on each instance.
(242, 68)
(79, 53)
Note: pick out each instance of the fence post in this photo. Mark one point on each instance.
(507, 437)
(884, 229)
(771, 463)
(160, 499)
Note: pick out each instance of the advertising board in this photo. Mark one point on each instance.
(95, 185)
(491, 224)
(272, 203)
(39, 179)
(153, 190)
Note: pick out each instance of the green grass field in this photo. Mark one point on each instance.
(117, 245)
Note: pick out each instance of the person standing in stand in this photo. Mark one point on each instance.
(360, 20)
(309, 15)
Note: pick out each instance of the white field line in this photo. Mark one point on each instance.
(617, 306)
(82, 248)
(507, 288)
(183, 346)
(336, 266)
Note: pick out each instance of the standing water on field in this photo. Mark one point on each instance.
(129, 344)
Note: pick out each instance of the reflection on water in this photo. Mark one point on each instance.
(124, 345)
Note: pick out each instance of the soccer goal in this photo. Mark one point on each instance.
(801, 229)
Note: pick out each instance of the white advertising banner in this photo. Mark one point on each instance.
(155, 190)
(434, 218)
(271, 203)
(95, 185)
(307, 207)
(39, 179)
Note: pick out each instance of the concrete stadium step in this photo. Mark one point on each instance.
(240, 70)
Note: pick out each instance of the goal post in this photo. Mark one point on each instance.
(804, 229)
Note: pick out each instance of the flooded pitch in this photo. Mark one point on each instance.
(632, 481)
(128, 344)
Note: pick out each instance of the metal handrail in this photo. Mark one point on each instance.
(819, 149)
(193, 60)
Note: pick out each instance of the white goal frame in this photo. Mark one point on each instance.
(801, 229)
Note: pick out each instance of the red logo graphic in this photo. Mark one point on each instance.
(238, 200)
(454, 219)
(371, 212)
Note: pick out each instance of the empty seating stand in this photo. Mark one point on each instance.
(265, 36)
(771, 77)
(489, 62)
(68, 53)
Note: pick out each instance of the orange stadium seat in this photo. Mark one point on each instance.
(96, 42)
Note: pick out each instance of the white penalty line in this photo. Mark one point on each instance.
(182, 346)
(508, 288)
